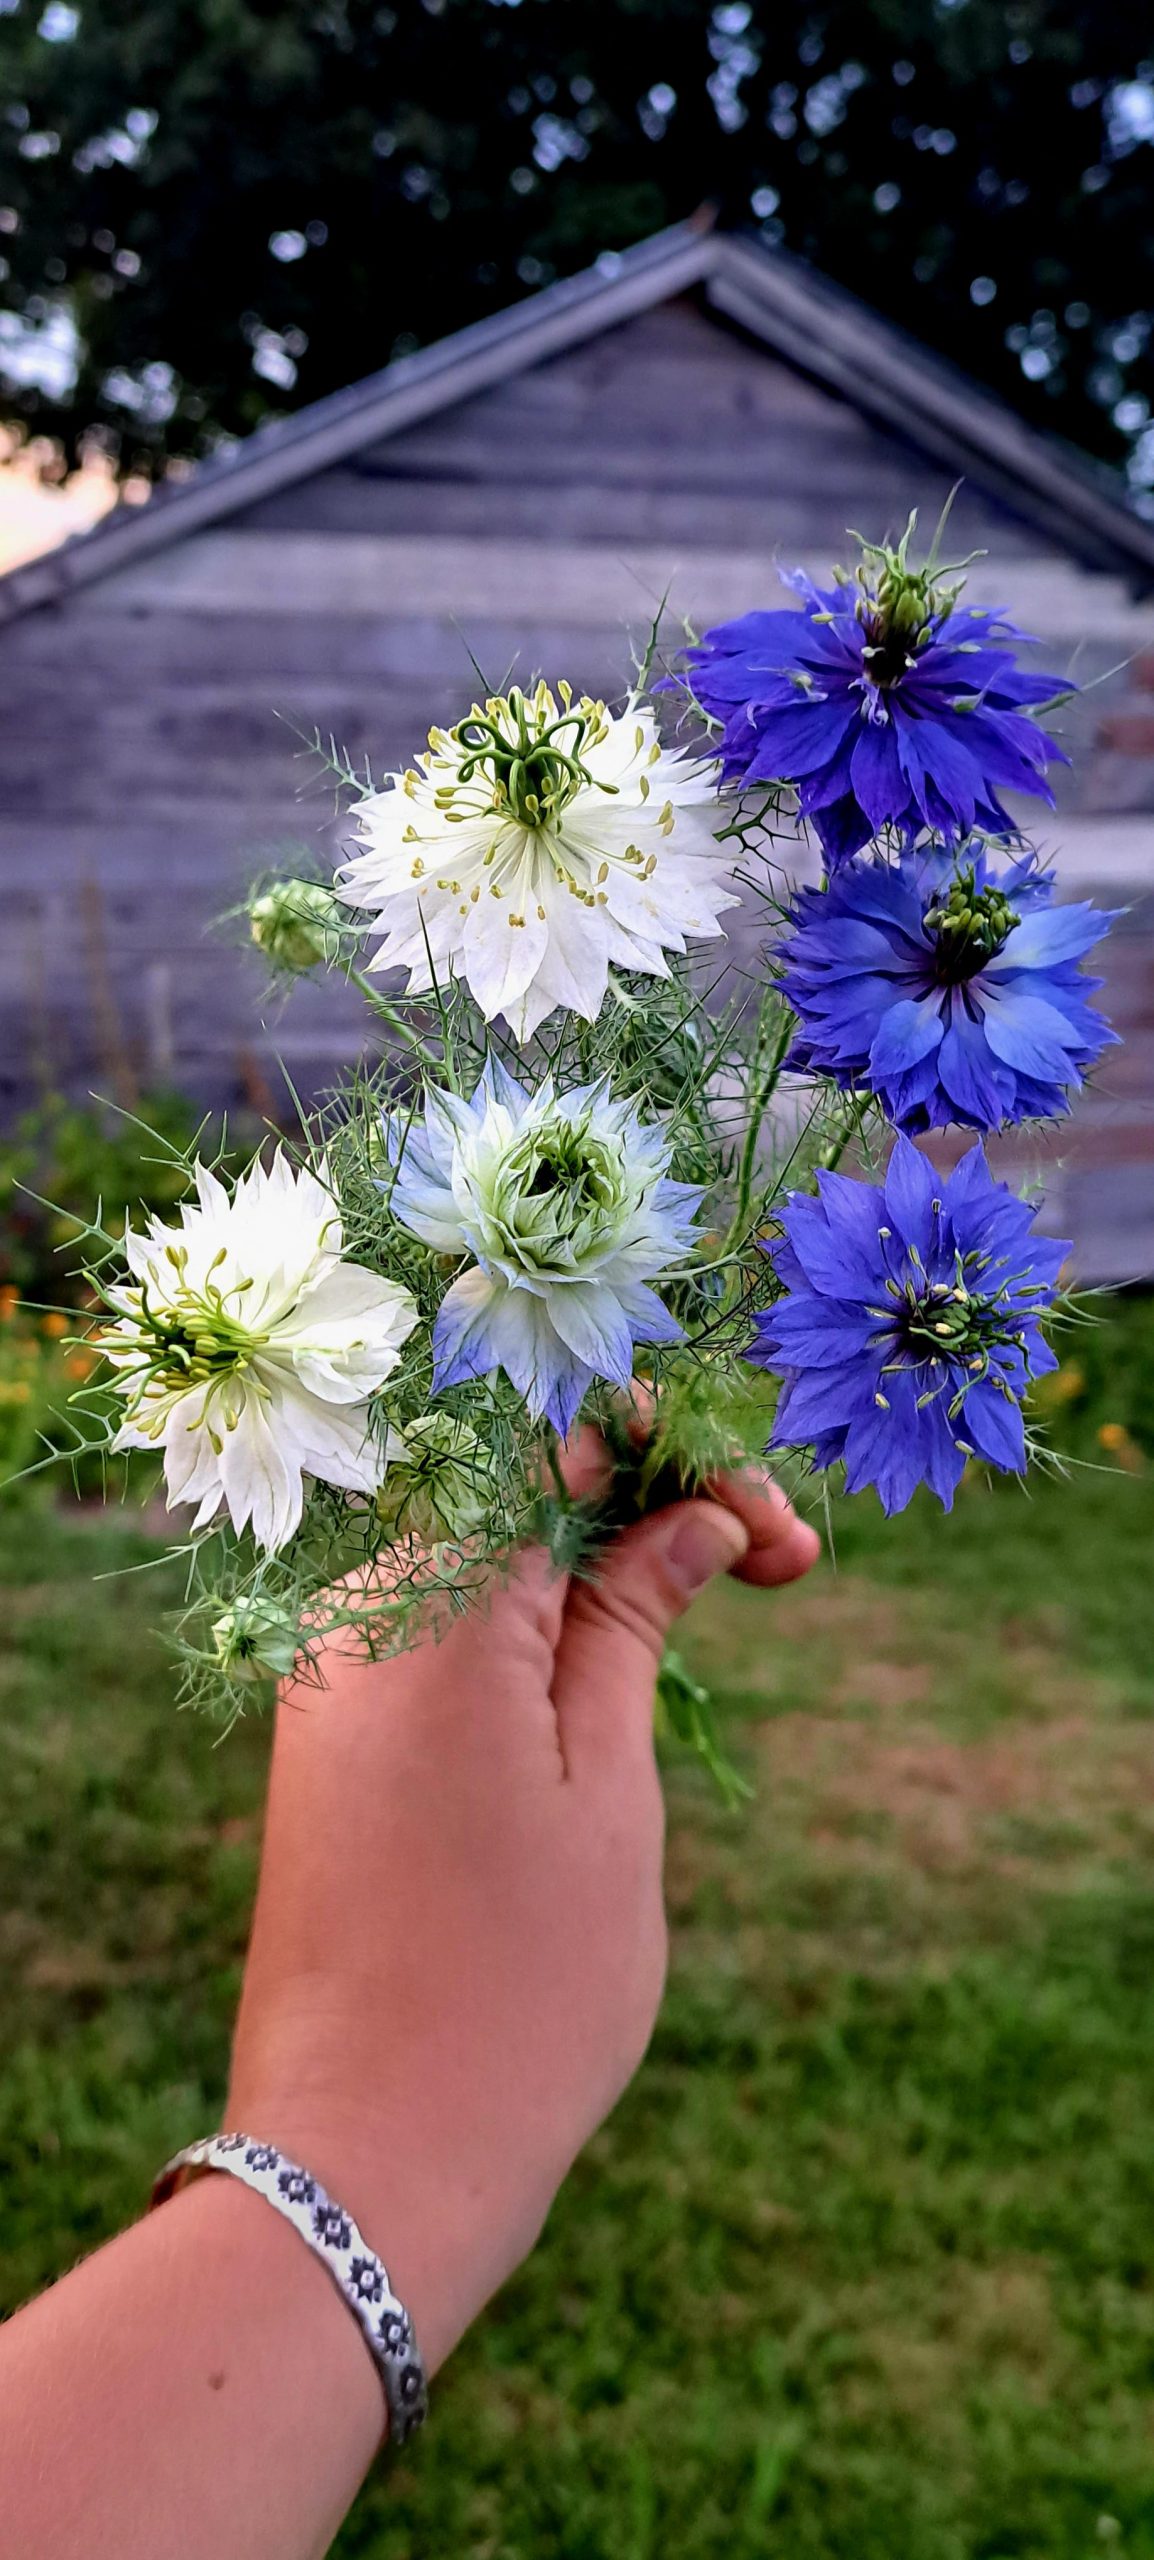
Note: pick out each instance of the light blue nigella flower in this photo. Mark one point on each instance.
(562, 1203)
(950, 986)
(885, 703)
(910, 1325)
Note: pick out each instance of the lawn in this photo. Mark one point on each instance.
(863, 2268)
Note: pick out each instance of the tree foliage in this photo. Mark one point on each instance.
(213, 209)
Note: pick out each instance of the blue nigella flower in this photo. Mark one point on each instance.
(950, 987)
(910, 1325)
(563, 1204)
(884, 703)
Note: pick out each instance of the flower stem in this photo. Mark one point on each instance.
(388, 1012)
(763, 1091)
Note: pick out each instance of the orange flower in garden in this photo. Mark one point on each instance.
(9, 1301)
(55, 1325)
(1116, 1440)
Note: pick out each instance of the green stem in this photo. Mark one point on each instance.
(553, 1453)
(388, 1012)
(762, 1096)
(834, 1149)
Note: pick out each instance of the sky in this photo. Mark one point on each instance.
(34, 516)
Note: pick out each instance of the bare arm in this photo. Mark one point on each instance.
(456, 1961)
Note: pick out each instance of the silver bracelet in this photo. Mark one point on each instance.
(333, 2237)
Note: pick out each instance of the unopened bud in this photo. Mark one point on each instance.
(254, 1637)
(440, 1484)
(297, 923)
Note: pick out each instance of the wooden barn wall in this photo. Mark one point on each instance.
(151, 756)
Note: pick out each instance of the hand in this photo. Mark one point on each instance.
(459, 1943)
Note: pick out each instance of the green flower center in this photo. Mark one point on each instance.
(970, 926)
(899, 607)
(558, 1195)
(531, 754)
(896, 614)
(193, 1339)
(955, 1324)
(948, 1323)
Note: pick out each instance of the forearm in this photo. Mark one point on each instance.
(196, 2391)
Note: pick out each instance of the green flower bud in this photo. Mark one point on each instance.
(439, 1485)
(297, 923)
(254, 1637)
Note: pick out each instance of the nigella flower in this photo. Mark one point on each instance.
(884, 703)
(535, 844)
(247, 1349)
(910, 1325)
(950, 987)
(563, 1205)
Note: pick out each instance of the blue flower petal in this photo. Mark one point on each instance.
(994, 1424)
(907, 1032)
(1030, 1034)
(866, 975)
(926, 762)
(865, 1377)
(911, 1187)
(876, 773)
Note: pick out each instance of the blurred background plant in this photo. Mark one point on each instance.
(59, 1162)
(195, 194)
(61, 1159)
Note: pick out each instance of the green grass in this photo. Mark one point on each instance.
(863, 2268)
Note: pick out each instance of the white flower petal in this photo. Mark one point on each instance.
(623, 865)
(262, 1350)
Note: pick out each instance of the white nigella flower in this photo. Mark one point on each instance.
(536, 843)
(247, 1349)
(561, 1200)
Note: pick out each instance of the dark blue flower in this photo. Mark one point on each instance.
(885, 703)
(909, 1328)
(950, 987)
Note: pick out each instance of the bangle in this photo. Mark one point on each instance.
(332, 2235)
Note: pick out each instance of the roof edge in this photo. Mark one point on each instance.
(793, 310)
(889, 376)
(561, 315)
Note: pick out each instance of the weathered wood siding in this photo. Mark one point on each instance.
(150, 756)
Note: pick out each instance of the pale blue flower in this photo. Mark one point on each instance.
(563, 1205)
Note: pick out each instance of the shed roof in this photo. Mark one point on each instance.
(777, 299)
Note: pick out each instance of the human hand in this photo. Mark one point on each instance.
(459, 1943)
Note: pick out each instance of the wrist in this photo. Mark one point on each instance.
(228, 2234)
(444, 2238)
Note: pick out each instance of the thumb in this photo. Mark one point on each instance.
(614, 1628)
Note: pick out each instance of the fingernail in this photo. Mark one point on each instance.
(705, 1542)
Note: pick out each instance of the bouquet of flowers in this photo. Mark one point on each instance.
(588, 1170)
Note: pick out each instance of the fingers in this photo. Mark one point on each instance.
(586, 1464)
(614, 1629)
(781, 1547)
